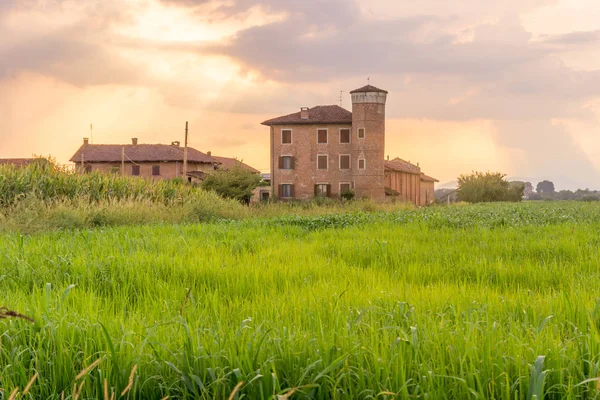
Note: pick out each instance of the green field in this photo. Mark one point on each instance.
(485, 301)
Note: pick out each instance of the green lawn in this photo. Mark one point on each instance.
(457, 302)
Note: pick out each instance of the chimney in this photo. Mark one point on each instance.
(175, 143)
(304, 113)
(86, 140)
(134, 141)
(209, 153)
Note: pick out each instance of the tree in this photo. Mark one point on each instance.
(528, 191)
(545, 187)
(234, 183)
(486, 187)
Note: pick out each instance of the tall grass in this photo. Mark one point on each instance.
(491, 301)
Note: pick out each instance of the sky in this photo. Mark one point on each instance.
(474, 85)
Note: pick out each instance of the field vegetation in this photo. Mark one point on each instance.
(46, 197)
(474, 301)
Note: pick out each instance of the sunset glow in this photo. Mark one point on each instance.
(512, 86)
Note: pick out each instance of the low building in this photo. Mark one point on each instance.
(427, 189)
(157, 161)
(406, 181)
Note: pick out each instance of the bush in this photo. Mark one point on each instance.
(235, 183)
(481, 187)
(348, 195)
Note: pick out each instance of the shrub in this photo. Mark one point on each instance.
(235, 183)
(481, 187)
(348, 195)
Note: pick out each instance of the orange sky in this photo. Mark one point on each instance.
(513, 87)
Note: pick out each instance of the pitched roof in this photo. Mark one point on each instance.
(398, 164)
(368, 88)
(227, 163)
(138, 153)
(317, 115)
(427, 178)
(19, 162)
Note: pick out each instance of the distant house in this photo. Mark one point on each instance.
(157, 161)
(328, 150)
(226, 163)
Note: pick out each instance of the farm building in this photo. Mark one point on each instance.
(328, 150)
(156, 161)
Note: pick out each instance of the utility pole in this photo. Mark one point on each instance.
(91, 134)
(185, 158)
(122, 161)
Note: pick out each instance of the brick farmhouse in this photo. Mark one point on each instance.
(328, 150)
(155, 161)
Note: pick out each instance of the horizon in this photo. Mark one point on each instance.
(511, 87)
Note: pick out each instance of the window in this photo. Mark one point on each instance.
(115, 170)
(88, 169)
(286, 136)
(322, 136)
(322, 161)
(135, 170)
(344, 161)
(286, 162)
(361, 133)
(322, 190)
(264, 195)
(155, 170)
(345, 187)
(286, 191)
(362, 163)
(344, 135)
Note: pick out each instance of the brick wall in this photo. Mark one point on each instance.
(407, 184)
(305, 149)
(427, 192)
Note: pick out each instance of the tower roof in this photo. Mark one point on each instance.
(368, 88)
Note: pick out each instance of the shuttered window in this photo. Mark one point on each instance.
(344, 161)
(286, 136)
(135, 170)
(344, 135)
(286, 191)
(323, 190)
(286, 162)
(322, 136)
(322, 161)
(156, 170)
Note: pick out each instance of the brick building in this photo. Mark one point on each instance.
(406, 181)
(327, 150)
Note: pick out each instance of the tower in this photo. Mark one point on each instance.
(368, 141)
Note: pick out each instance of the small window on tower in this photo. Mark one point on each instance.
(361, 133)
(362, 163)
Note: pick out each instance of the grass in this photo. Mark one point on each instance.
(486, 301)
